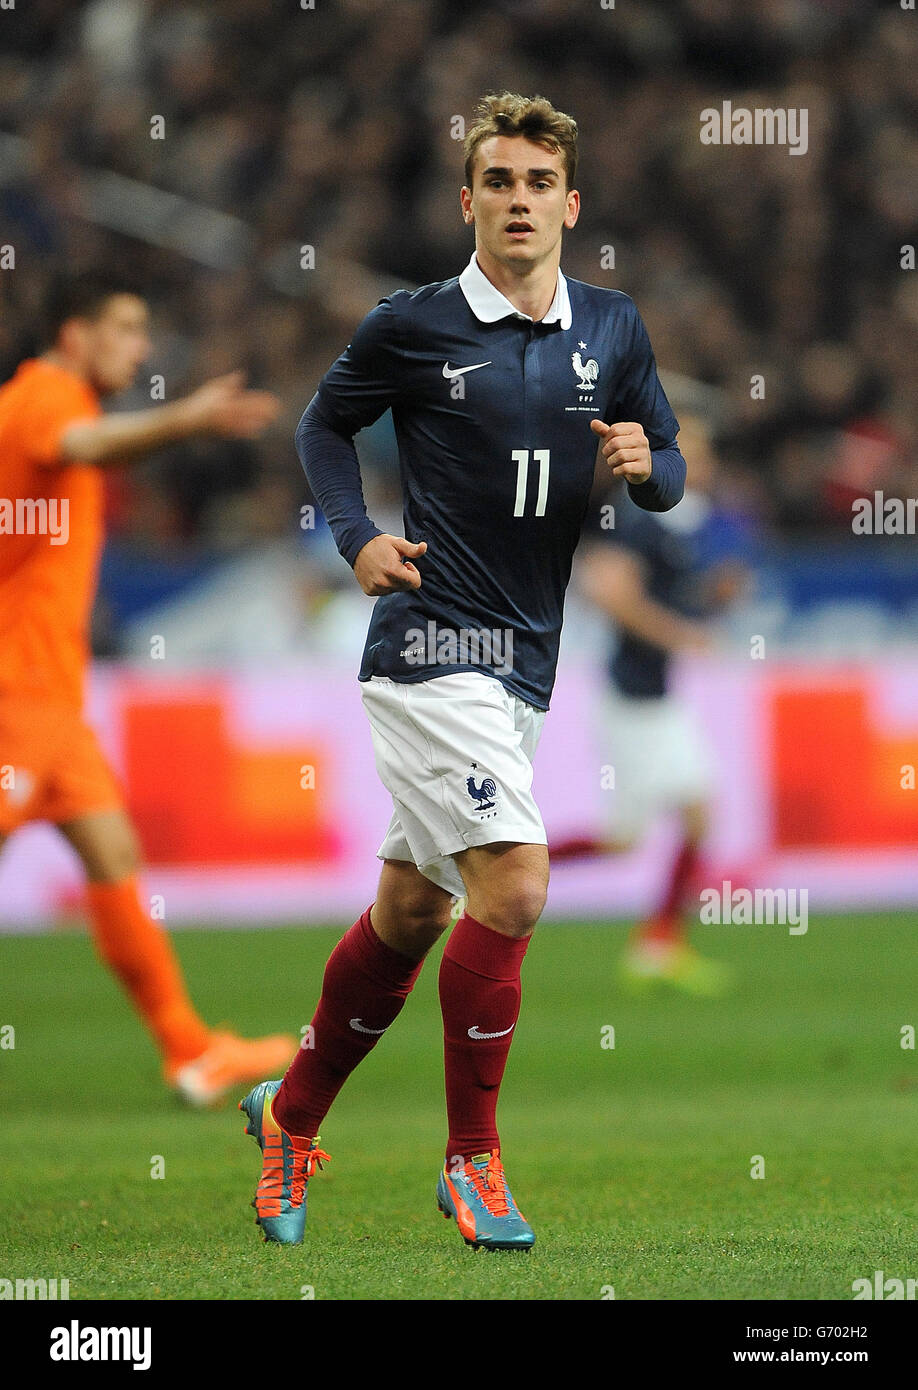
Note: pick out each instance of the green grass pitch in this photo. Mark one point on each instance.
(633, 1164)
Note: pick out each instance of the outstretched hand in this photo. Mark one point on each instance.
(223, 407)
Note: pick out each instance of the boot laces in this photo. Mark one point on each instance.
(304, 1165)
(490, 1185)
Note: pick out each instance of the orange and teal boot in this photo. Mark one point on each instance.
(478, 1197)
(289, 1161)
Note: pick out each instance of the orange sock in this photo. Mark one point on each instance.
(141, 955)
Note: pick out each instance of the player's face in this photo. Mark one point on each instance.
(519, 201)
(117, 342)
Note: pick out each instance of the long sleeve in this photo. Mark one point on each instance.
(638, 395)
(666, 484)
(332, 470)
(356, 390)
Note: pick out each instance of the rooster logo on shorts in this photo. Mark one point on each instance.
(483, 795)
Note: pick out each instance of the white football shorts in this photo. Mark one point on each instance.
(455, 754)
(660, 758)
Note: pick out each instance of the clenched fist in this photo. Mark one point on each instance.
(382, 566)
(625, 448)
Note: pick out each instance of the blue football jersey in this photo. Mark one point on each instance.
(678, 554)
(491, 414)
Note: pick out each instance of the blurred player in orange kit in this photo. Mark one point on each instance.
(53, 441)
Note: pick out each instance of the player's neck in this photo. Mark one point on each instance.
(63, 360)
(531, 289)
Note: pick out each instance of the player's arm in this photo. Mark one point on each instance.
(221, 407)
(612, 577)
(357, 390)
(638, 436)
(724, 584)
(655, 477)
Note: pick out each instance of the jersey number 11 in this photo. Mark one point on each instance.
(521, 459)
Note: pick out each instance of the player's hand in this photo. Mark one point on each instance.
(383, 565)
(697, 640)
(625, 448)
(223, 407)
(726, 583)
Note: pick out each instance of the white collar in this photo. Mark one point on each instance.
(488, 304)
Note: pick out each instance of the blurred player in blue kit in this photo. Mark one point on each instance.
(661, 579)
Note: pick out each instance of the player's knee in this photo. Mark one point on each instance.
(622, 842)
(514, 907)
(115, 862)
(106, 843)
(426, 915)
(695, 821)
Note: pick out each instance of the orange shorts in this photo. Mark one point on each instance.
(51, 766)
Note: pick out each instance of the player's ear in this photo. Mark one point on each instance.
(465, 198)
(573, 208)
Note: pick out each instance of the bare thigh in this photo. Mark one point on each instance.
(106, 843)
(695, 819)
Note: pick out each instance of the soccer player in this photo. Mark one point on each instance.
(54, 441)
(661, 578)
(503, 382)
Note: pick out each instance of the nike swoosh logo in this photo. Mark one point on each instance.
(359, 1028)
(474, 1033)
(451, 372)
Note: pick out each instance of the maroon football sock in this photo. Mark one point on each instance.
(480, 1002)
(365, 985)
(666, 924)
(577, 847)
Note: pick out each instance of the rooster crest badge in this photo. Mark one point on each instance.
(587, 372)
(482, 794)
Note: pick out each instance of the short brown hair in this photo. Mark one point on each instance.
(533, 117)
(76, 296)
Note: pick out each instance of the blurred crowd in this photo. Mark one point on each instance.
(334, 127)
